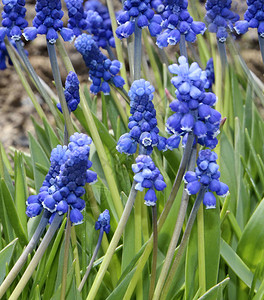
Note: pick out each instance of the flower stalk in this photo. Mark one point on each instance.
(137, 52)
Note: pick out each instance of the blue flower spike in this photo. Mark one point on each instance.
(176, 21)
(147, 175)
(220, 18)
(139, 13)
(99, 23)
(71, 92)
(48, 22)
(206, 175)
(13, 21)
(102, 70)
(64, 184)
(142, 122)
(193, 110)
(103, 222)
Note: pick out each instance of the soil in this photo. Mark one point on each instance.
(16, 107)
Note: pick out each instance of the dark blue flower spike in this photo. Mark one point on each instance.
(99, 23)
(48, 22)
(142, 122)
(193, 107)
(71, 92)
(206, 175)
(77, 16)
(102, 70)
(147, 175)
(176, 21)
(65, 181)
(209, 69)
(14, 21)
(103, 222)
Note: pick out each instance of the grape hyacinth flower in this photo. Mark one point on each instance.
(137, 13)
(63, 185)
(4, 56)
(48, 22)
(102, 70)
(71, 92)
(14, 21)
(142, 122)
(103, 222)
(147, 175)
(193, 107)
(99, 23)
(176, 21)
(209, 69)
(77, 16)
(206, 175)
(220, 18)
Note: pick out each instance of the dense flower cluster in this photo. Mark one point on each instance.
(48, 22)
(77, 17)
(220, 18)
(102, 70)
(71, 92)
(63, 185)
(206, 175)
(4, 55)
(209, 69)
(103, 221)
(193, 107)
(142, 122)
(14, 21)
(176, 21)
(147, 175)
(137, 13)
(99, 23)
(254, 18)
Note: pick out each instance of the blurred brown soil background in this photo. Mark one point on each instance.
(16, 107)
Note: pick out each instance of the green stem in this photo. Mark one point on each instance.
(37, 257)
(59, 87)
(137, 52)
(23, 79)
(201, 250)
(144, 257)
(155, 253)
(35, 78)
(118, 45)
(222, 52)
(183, 243)
(22, 259)
(95, 136)
(111, 250)
(66, 257)
(183, 49)
(261, 45)
(92, 259)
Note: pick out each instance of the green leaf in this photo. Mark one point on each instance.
(251, 245)
(13, 215)
(236, 263)
(53, 139)
(216, 292)
(5, 258)
(38, 156)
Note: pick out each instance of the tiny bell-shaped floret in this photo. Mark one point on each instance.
(103, 221)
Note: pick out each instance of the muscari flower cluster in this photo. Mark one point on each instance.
(147, 175)
(14, 21)
(102, 70)
(254, 18)
(137, 13)
(142, 122)
(206, 176)
(220, 18)
(4, 56)
(103, 222)
(99, 23)
(63, 185)
(193, 107)
(71, 92)
(176, 21)
(209, 69)
(77, 16)
(48, 22)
